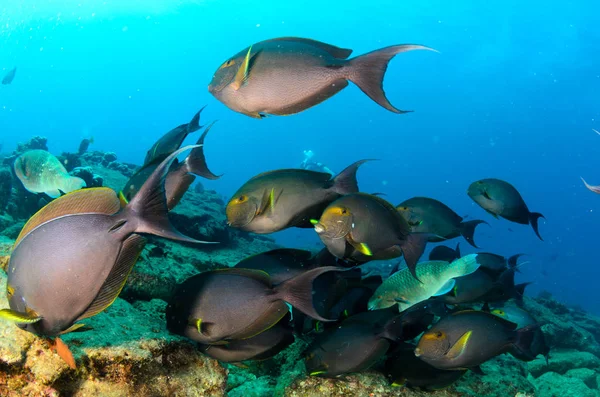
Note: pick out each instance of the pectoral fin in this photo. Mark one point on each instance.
(360, 247)
(243, 72)
(460, 346)
(20, 318)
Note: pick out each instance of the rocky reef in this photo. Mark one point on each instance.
(127, 350)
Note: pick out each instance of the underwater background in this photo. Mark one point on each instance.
(514, 93)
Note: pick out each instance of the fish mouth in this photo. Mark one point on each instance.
(319, 228)
(418, 352)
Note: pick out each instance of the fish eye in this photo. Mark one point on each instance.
(227, 63)
(242, 198)
(439, 334)
(344, 211)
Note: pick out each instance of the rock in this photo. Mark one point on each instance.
(87, 174)
(70, 160)
(588, 376)
(5, 188)
(37, 142)
(552, 384)
(562, 361)
(13, 230)
(109, 157)
(128, 352)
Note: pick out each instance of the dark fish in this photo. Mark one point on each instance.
(360, 227)
(73, 257)
(172, 140)
(233, 304)
(358, 343)
(84, 145)
(276, 200)
(280, 264)
(181, 175)
(500, 198)
(523, 319)
(426, 215)
(403, 368)
(468, 338)
(498, 263)
(505, 288)
(443, 253)
(9, 76)
(595, 189)
(260, 347)
(287, 75)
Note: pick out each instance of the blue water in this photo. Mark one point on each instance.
(513, 94)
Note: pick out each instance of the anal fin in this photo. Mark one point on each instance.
(114, 283)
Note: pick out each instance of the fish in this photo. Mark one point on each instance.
(523, 319)
(500, 198)
(498, 263)
(172, 140)
(276, 200)
(232, 304)
(360, 227)
(595, 189)
(469, 338)
(260, 347)
(84, 145)
(443, 253)
(288, 75)
(403, 368)
(9, 76)
(436, 278)
(73, 257)
(180, 177)
(355, 345)
(280, 264)
(427, 215)
(41, 172)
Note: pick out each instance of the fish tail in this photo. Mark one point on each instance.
(298, 291)
(524, 337)
(520, 290)
(194, 124)
(148, 209)
(367, 72)
(196, 161)
(457, 250)
(394, 328)
(533, 219)
(467, 229)
(345, 182)
(412, 249)
(595, 189)
(513, 262)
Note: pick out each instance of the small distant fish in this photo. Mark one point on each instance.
(172, 140)
(9, 76)
(72, 258)
(276, 200)
(180, 176)
(443, 253)
(596, 131)
(469, 338)
(436, 278)
(405, 369)
(355, 345)
(41, 172)
(500, 198)
(287, 75)
(260, 347)
(361, 227)
(84, 145)
(427, 215)
(595, 189)
(234, 303)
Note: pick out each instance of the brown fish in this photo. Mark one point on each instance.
(287, 75)
(362, 227)
(500, 198)
(279, 199)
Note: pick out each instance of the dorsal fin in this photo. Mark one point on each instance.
(254, 274)
(114, 283)
(101, 200)
(336, 52)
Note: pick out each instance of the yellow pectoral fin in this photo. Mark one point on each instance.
(362, 248)
(315, 373)
(460, 346)
(18, 317)
(242, 74)
(122, 200)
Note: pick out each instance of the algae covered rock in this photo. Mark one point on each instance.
(552, 384)
(563, 361)
(128, 352)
